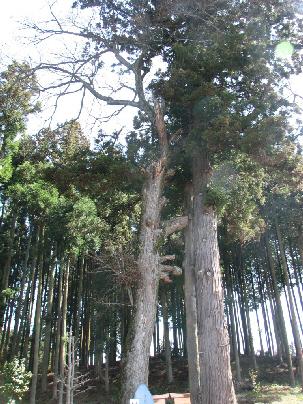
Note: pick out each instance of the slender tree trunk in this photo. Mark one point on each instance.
(37, 324)
(233, 333)
(62, 355)
(295, 328)
(48, 321)
(174, 322)
(4, 275)
(213, 344)
(21, 303)
(280, 312)
(167, 348)
(58, 333)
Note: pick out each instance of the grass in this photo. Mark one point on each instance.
(272, 394)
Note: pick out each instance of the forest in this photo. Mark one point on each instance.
(169, 253)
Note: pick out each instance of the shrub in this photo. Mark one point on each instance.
(15, 381)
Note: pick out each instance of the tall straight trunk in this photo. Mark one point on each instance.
(62, 355)
(136, 361)
(191, 307)
(233, 333)
(37, 324)
(79, 297)
(21, 303)
(167, 348)
(5, 272)
(174, 321)
(158, 347)
(7, 329)
(240, 336)
(257, 316)
(296, 273)
(48, 321)
(58, 333)
(250, 336)
(29, 299)
(294, 324)
(213, 344)
(280, 311)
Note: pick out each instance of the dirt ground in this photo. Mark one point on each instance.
(179, 398)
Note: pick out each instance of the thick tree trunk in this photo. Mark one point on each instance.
(213, 344)
(135, 371)
(135, 367)
(191, 307)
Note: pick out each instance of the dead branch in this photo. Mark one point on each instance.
(175, 224)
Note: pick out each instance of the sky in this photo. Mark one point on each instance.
(15, 44)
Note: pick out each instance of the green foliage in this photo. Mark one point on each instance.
(15, 381)
(253, 377)
(84, 227)
(8, 293)
(17, 88)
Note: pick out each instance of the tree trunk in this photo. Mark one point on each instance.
(58, 333)
(213, 344)
(167, 348)
(48, 321)
(21, 303)
(5, 272)
(135, 367)
(191, 307)
(62, 355)
(37, 324)
(294, 324)
(280, 312)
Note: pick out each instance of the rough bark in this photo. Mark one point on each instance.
(191, 306)
(135, 368)
(213, 344)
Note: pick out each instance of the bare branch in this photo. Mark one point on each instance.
(169, 269)
(75, 78)
(167, 258)
(173, 225)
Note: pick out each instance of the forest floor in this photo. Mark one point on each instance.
(271, 385)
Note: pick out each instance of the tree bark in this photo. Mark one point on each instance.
(136, 361)
(191, 306)
(213, 344)
(280, 311)
(48, 321)
(62, 355)
(294, 324)
(167, 347)
(37, 324)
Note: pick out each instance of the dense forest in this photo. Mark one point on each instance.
(180, 242)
